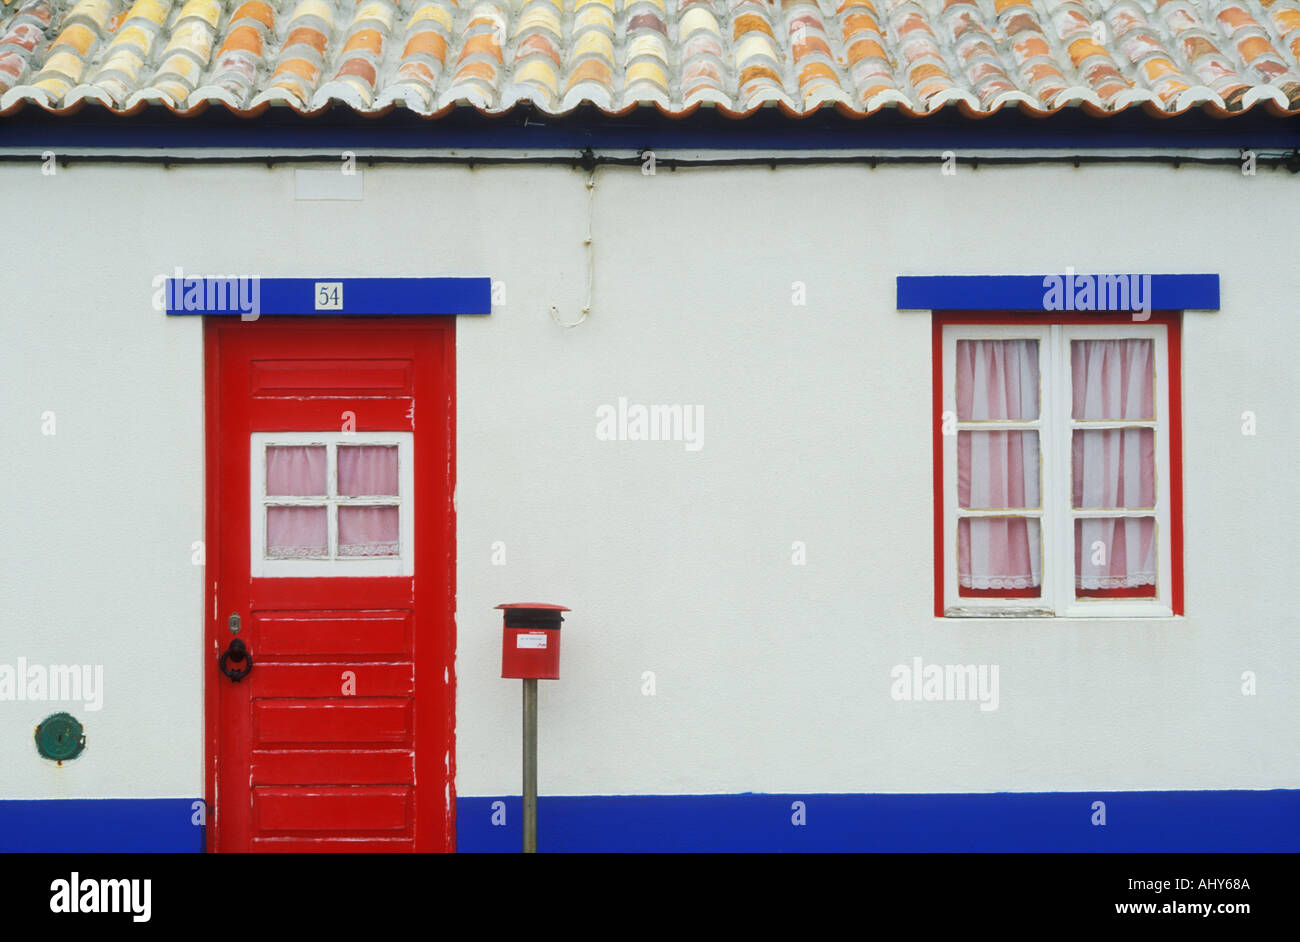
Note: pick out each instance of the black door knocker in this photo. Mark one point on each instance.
(238, 653)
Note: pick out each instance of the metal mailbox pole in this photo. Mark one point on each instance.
(530, 765)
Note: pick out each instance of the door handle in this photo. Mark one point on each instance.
(239, 654)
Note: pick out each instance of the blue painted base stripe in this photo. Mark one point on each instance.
(1136, 822)
(100, 825)
(1028, 292)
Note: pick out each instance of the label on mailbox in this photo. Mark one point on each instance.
(532, 639)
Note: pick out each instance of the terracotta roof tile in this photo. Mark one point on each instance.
(856, 56)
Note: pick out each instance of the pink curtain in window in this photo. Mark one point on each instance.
(998, 379)
(1112, 379)
(1114, 468)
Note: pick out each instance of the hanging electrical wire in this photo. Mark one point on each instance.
(591, 255)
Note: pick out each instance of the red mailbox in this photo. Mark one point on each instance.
(530, 640)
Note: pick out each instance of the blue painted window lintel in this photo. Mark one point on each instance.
(1167, 292)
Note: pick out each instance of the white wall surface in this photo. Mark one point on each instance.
(769, 677)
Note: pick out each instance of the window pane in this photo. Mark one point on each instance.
(999, 553)
(1113, 379)
(997, 470)
(997, 379)
(368, 531)
(368, 470)
(295, 470)
(1114, 468)
(296, 533)
(1115, 553)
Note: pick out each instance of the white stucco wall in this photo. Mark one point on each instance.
(769, 677)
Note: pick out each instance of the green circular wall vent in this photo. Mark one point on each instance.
(60, 737)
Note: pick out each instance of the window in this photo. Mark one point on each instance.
(1056, 477)
(331, 504)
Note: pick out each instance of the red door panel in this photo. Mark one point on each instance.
(341, 736)
(364, 767)
(305, 377)
(290, 679)
(352, 721)
(386, 633)
(361, 809)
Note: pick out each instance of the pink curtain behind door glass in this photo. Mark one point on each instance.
(998, 379)
(368, 531)
(295, 470)
(296, 533)
(1113, 468)
(368, 470)
(303, 532)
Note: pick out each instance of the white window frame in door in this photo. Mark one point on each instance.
(1055, 426)
(262, 566)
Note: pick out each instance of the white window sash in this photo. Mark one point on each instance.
(263, 567)
(1161, 605)
(954, 603)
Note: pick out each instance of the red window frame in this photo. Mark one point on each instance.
(1172, 320)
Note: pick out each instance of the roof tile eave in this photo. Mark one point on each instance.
(736, 58)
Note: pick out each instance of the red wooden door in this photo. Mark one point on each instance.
(331, 539)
